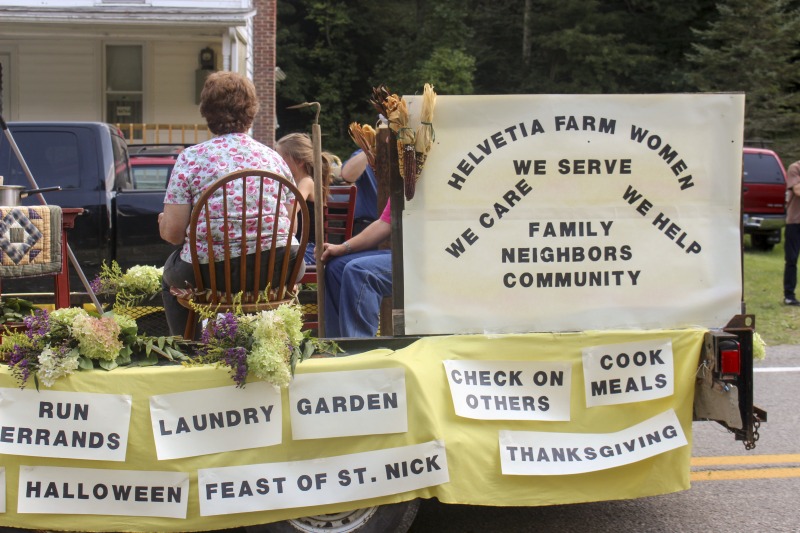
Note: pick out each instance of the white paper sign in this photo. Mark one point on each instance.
(630, 372)
(261, 487)
(186, 424)
(342, 404)
(575, 212)
(56, 490)
(510, 390)
(530, 453)
(2, 490)
(73, 425)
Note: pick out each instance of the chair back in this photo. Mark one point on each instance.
(339, 221)
(237, 263)
(340, 213)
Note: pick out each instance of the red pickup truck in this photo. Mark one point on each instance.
(763, 197)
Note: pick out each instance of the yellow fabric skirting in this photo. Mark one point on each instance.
(470, 454)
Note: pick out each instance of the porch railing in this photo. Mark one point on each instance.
(164, 133)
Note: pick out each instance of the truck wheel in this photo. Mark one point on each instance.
(761, 242)
(394, 518)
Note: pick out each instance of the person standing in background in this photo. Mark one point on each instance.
(792, 232)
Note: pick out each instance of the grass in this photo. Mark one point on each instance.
(763, 295)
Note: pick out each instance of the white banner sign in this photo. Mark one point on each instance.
(630, 372)
(360, 476)
(2, 490)
(186, 424)
(529, 453)
(56, 490)
(72, 425)
(342, 404)
(510, 390)
(543, 212)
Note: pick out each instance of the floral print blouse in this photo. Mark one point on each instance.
(198, 166)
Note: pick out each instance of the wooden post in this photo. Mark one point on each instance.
(319, 227)
(390, 185)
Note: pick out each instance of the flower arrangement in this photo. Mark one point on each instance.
(131, 287)
(56, 344)
(267, 345)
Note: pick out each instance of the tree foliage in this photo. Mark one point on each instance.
(751, 46)
(335, 51)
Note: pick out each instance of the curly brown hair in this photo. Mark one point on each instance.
(228, 102)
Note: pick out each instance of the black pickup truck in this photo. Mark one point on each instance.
(90, 161)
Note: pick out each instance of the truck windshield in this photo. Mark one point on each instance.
(53, 158)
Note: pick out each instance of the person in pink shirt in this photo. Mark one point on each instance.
(229, 104)
(357, 278)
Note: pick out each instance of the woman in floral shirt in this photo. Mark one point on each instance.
(229, 105)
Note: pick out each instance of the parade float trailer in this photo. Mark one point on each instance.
(567, 300)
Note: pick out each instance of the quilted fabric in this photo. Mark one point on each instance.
(30, 241)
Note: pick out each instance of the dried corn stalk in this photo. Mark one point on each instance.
(364, 136)
(425, 135)
(379, 96)
(397, 116)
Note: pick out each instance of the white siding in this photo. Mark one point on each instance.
(172, 99)
(66, 4)
(59, 80)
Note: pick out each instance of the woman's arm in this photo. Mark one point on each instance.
(354, 167)
(172, 223)
(371, 237)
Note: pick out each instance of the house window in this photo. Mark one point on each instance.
(124, 85)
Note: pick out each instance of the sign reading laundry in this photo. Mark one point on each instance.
(73, 425)
(532, 453)
(187, 424)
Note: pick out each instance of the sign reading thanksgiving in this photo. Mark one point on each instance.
(567, 212)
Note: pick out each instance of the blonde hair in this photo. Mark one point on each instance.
(299, 147)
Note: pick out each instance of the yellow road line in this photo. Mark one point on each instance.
(745, 460)
(760, 473)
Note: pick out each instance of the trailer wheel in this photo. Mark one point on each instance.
(394, 518)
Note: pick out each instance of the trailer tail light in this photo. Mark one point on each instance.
(729, 358)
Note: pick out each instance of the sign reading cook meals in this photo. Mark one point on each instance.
(550, 210)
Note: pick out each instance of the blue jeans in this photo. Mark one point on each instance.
(791, 251)
(355, 284)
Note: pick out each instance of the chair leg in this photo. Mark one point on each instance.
(191, 323)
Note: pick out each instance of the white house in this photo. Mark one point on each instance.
(121, 61)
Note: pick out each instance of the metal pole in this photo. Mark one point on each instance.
(319, 214)
(33, 184)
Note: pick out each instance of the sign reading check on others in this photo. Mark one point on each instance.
(543, 212)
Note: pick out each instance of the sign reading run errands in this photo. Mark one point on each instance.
(569, 252)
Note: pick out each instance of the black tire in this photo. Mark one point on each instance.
(394, 518)
(761, 242)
